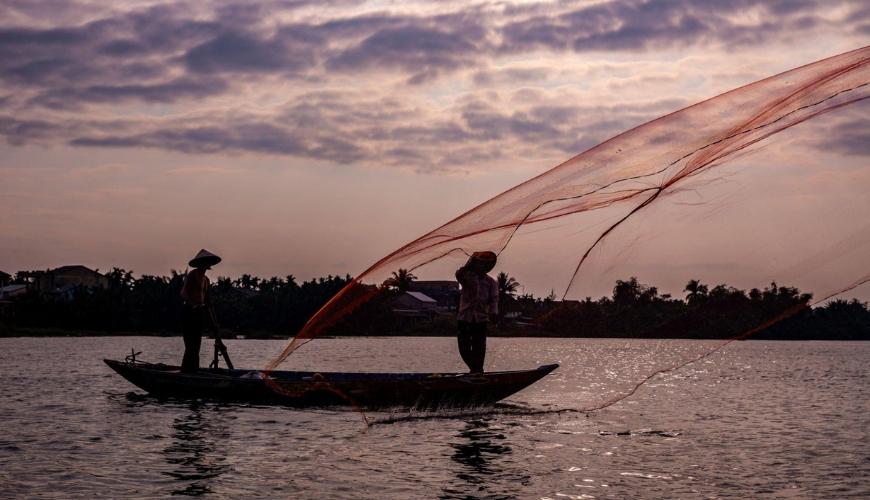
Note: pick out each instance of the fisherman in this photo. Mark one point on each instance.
(478, 301)
(197, 307)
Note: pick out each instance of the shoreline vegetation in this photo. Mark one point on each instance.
(227, 335)
(276, 308)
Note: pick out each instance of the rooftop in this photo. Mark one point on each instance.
(76, 267)
(422, 297)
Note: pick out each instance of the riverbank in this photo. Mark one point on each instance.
(495, 333)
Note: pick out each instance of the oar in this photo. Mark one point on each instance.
(219, 347)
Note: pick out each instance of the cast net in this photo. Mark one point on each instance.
(703, 187)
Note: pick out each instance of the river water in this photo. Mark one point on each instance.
(755, 420)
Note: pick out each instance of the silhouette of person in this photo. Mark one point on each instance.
(478, 300)
(197, 304)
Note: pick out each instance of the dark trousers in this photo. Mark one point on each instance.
(472, 344)
(193, 322)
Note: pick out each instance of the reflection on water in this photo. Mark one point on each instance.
(196, 454)
(792, 413)
(483, 456)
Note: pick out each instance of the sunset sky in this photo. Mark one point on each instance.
(312, 138)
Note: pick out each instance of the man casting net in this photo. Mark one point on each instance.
(729, 182)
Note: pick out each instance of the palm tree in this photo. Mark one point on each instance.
(507, 285)
(697, 291)
(507, 288)
(248, 282)
(290, 282)
(401, 280)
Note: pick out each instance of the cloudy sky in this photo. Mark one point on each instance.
(313, 137)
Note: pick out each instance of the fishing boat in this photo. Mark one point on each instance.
(425, 391)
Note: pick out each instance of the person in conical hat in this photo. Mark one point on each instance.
(204, 258)
(478, 301)
(197, 307)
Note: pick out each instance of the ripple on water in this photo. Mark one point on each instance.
(646, 475)
(89, 432)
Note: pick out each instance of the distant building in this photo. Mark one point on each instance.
(415, 304)
(7, 305)
(63, 279)
(9, 291)
(445, 293)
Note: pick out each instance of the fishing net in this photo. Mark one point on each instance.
(705, 187)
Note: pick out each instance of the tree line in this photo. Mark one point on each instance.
(721, 311)
(637, 310)
(152, 304)
(279, 306)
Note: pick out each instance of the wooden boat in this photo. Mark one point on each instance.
(301, 389)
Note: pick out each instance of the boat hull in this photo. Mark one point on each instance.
(304, 389)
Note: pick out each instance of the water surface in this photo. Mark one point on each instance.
(758, 419)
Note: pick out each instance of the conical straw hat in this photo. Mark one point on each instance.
(204, 258)
(485, 260)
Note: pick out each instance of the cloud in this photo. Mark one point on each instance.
(240, 136)
(238, 38)
(491, 124)
(50, 11)
(849, 137)
(166, 92)
(132, 50)
(238, 52)
(632, 25)
(422, 51)
(21, 131)
(435, 86)
(511, 76)
(18, 132)
(353, 127)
